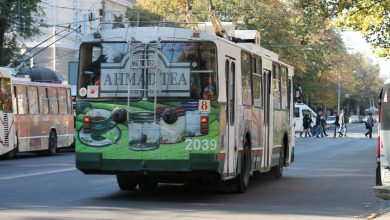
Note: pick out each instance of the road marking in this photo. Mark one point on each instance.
(36, 174)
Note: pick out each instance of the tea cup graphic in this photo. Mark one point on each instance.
(100, 123)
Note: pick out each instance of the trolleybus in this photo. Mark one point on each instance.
(170, 104)
(34, 116)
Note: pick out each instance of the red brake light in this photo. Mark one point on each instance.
(87, 119)
(204, 124)
(87, 124)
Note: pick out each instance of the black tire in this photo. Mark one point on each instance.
(147, 184)
(277, 171)
(242, 180)
(126, 182)
(52, 143)
(378, 177)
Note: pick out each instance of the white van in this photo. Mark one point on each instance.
(382, 188)
(300, 109)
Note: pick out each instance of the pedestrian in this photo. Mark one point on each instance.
(307, 125)
(336, 124)
(369, 125)
(319, 130)
(324, 124)
(343, 127)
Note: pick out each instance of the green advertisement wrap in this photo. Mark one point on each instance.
(171, 131)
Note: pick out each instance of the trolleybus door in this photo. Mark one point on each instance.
(230, 113)
(267, 117)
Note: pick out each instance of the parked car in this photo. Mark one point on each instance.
(330, 121)
(354, 119)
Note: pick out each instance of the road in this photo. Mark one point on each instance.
(331, 178)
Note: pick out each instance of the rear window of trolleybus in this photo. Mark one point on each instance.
(186, 71)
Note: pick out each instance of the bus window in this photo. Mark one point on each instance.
(43, 100)
(62, 102)
(91, 58)
(246, 78)
(21, 99)
(32, 95)
(284, 83)
(257, 83)
(5, 95)
(193, 70)
(69, 100)
(276, 86)
(53, 100)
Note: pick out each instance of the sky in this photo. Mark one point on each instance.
(355, 42)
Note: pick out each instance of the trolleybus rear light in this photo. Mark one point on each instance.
(204, 124)
(87, 124)
(221, 156)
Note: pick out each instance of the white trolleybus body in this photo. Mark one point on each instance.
(167, 104)
(34, 117)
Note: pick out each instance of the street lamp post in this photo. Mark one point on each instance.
(338, 95)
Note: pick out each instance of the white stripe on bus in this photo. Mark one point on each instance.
(30, 137)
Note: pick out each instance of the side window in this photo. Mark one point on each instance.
(43, 101)
(53, 100)
(232, 99)
(21, 99)
(69, 100)
(246, 78)
(32, 97)
(257, 83)
(296, 112)
(276, 86)
(62, 102)
(284, 83)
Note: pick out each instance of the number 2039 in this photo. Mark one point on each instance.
(201, 144)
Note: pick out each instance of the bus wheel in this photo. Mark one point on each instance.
(243, 178)
(52, 143)
(147, 184)
(126, 182)
(277, 171)
(378, 178)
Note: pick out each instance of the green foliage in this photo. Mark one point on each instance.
(370, 17)
(18, 19)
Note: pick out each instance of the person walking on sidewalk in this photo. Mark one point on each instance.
(319, 130)
(307, 125)
(369, 125)
(343, 126)
(336, 124)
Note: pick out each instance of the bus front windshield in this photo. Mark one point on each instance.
(184, 70)
(5, 95)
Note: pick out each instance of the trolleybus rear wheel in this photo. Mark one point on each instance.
(242, 180)
(277, 171)
(147, 184)
(52, 143)
(126, 182)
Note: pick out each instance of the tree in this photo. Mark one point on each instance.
(18, 21)
(370, 17)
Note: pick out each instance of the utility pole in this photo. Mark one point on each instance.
(54, 34)
(338, 96)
